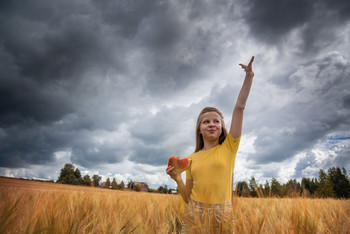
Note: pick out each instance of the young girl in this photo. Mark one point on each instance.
(208, 188)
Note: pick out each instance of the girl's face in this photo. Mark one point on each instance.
(210, 126)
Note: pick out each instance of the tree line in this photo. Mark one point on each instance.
(71, 175)
(332, 184)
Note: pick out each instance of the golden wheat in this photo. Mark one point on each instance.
(37, 207)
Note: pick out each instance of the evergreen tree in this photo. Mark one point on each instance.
(324, 186)
(340, 182)
(253, 187)
(242, 189)
(78, 176)
(108, 183)
(276, 188)
(122, 185)
(293, 188)
(267, 189)
(309, 186)
(114, 184)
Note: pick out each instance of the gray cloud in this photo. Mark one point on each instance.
(72, 70)
(28, 144)
(316, 22)
(271, 20)
(316, 109)
(335, 155)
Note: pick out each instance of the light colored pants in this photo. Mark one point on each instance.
(208, 218)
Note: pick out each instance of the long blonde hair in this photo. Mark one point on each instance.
(199, 137)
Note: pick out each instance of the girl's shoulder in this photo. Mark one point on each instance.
(193, 155)
(231, 143)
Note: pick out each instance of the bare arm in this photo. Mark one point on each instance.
(237, 116)
(185, 190)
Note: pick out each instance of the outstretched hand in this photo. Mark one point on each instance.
(248, 68)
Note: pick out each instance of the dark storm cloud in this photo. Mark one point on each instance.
(28, 144)
(49, 51)
(73, 70)
(179, 42)
(318, 22)
(271, 19)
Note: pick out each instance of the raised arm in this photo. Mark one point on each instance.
(237, 116)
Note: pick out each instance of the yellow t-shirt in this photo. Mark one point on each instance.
(211, 172)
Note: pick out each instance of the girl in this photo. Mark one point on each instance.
(208, 188)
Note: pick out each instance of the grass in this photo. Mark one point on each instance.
(37, 207)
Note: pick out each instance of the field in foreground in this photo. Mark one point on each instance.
(38, 207)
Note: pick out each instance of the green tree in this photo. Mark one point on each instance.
(253, 187)
(340, 182)
(87, 180)
(324, 186)
(242, 189)
(108, 183)
(69, 176)
(309, 186)
(114, 184)
(164, 189)
(276, 188)
(293, 188)
(267, 189)
(96, 180)
(122, 185)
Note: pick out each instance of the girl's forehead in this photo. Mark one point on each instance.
(211, 114)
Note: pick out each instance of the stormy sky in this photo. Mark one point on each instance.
(115, 87)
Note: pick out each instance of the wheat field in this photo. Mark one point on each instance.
(38, 207)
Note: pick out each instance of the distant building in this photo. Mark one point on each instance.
(139, 186)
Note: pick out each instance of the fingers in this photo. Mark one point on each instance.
(170, 170)
(249, 66)
(242, 65)
(172, 173)
(251, 61)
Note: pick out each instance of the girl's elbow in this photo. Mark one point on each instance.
(239, 107)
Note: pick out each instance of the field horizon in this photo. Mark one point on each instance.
(42, 207)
